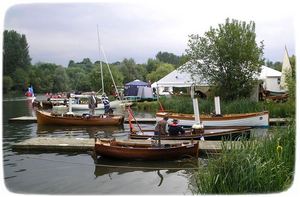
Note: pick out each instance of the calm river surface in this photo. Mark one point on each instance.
(77, 173)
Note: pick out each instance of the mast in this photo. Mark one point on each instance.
(101, 67)
(101, 70)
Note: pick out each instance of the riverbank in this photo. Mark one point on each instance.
(265, 165)
(183, 104)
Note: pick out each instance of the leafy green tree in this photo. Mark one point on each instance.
(152, 64)
(95, 78)
(15, 52)
(228, 57)
(78, 79)
(7, 84)
(60, 80)
(168, 58)
(43, 77)
(162, 70)
(132, 71)
(275, 65)
(21, 79)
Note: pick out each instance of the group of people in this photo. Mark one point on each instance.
(173, 129)
(93, 104)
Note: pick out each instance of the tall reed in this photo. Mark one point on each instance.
(183, 104)
(260, 166)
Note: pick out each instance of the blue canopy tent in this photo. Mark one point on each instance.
(132, 88)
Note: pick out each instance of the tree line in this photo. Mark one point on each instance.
(226, 56)
(19, 73)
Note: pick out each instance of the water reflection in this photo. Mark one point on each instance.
(83, 131)
(109, 167)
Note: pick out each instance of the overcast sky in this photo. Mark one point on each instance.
(57, 33)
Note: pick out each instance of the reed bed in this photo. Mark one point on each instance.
(260, 166)
(183, 104)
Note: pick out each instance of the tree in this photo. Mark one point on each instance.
(275, 65)
(21, 79)
(95, 78)
(60, 80)
(131, 71)
(168, 58)
(15, 52)
(228, 57)
(162, 70)
(7, 84)
(78, 79)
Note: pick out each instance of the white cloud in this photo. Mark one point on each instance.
(60, 32)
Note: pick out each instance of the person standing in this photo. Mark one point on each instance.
(161, 126)
(106, 104)
(92, 103)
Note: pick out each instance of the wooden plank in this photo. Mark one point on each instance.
(27, 119)
(84, 144)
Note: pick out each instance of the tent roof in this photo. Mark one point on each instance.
(136, 83)
(268, 72)
(178, 78)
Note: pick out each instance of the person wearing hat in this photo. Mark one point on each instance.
(161, 126)
(175, 129)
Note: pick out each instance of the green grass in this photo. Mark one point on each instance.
(261, 166)
(184, 105)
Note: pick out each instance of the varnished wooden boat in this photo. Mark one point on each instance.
(212, 133)
(257, 119)
(137, 151)
(47, 118)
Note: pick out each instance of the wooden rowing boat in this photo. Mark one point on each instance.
(47, 118)
(212, 133)
(257, 119)
(138, 151)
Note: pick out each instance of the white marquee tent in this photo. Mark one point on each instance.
(177, 78)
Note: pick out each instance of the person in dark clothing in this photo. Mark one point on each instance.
(175, 129)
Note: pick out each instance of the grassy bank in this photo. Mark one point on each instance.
(184, 105)
(261, 166)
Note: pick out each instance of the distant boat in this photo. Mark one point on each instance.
(141, 151)
(47, 118)
(30, 94)
(227, 133)
(256, 119)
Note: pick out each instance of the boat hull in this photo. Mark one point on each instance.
(46, 118)
(259, 119)
(146, 152)
(100, 106)
(209, 134)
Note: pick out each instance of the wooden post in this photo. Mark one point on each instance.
(217, 105)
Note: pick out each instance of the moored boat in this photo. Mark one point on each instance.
(256, 119)
(47, 118)
(225, 133)
(100, 106)
(137, 151)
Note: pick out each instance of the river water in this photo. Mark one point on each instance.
(78, 173)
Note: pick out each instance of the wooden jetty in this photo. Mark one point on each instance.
(65, 144)
(32, 119)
